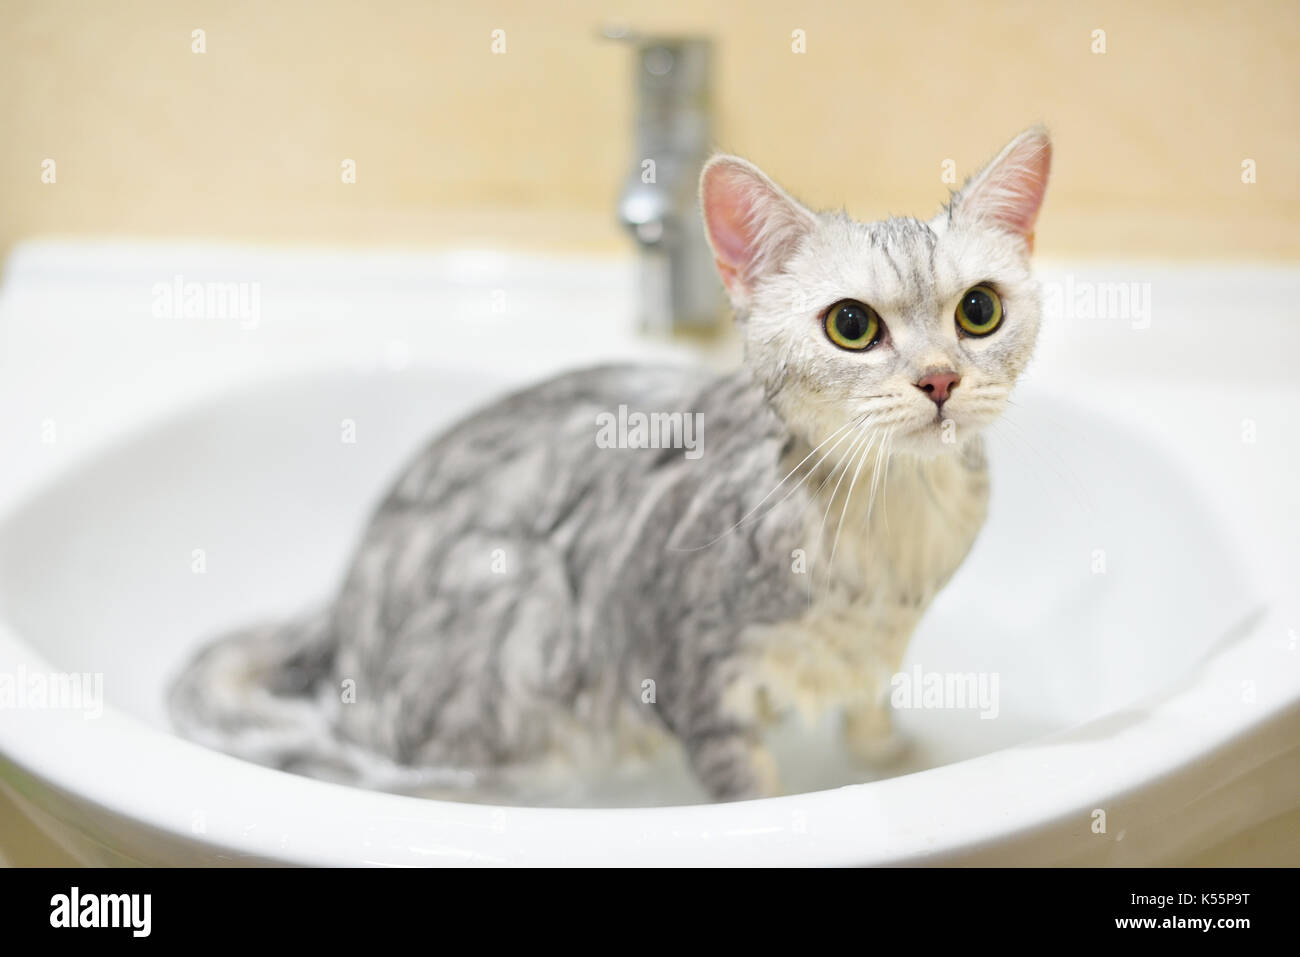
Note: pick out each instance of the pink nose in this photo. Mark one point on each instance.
(939, 385)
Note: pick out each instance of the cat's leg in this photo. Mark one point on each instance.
(731, 761)
(456, 661)
(721, 730)
(869, 732)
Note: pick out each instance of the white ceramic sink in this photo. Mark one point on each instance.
(1132, 591)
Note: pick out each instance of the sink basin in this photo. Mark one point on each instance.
(1144, 662)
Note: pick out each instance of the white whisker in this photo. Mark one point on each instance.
(863, 446)
(884, 484)
(844, 510)
(875, 474)
(843, 432)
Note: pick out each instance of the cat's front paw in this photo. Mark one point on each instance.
(871, 738)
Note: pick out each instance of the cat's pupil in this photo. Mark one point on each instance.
(851, 322)
(978, 308)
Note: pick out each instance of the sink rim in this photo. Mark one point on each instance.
(254, 813)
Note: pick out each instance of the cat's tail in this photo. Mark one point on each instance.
(263, 694)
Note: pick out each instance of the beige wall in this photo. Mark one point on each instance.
(456, 144)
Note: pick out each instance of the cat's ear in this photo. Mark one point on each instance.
(753, 225)
(1008, 192)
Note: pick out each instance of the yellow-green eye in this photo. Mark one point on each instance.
(852, 325)
(979, 311)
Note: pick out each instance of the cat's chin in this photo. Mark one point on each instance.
(935, 438)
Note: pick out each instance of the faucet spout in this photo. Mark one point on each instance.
(659, 204)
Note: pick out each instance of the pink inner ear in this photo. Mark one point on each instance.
(729, 214)
(752, 225)
(1011, 193)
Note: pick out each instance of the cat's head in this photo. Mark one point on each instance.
(921, 328)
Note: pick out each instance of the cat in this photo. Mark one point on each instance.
(522, 589)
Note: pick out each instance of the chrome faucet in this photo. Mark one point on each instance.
(659, 203)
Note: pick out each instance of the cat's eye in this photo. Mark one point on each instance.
(853, 325)
(979, 311)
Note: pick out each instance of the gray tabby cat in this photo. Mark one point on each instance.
(519, 585)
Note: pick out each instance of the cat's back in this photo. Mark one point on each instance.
(541, 440)
(520, 499)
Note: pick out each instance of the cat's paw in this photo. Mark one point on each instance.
(871, 738)
(735, 768)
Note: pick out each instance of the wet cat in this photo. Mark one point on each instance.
(521, 586)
